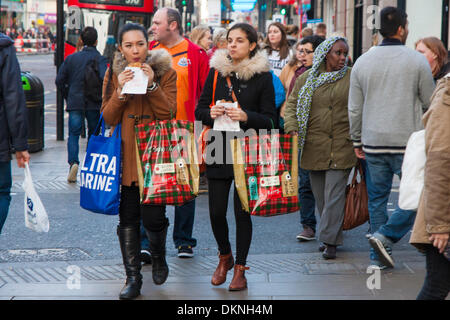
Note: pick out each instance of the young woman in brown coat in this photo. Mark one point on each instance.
(158, 103)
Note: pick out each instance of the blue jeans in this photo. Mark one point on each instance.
(182, 228)
(5, 188)
(381, 170)
(306, 199)
(75, 123)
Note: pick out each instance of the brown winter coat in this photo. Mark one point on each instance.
(433, 215)
(160, 104)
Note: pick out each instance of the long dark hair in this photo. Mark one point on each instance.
(125, 28)
(284, 44)
(252, 35)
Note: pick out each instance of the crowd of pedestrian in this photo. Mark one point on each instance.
(43, 35)
(342, 114)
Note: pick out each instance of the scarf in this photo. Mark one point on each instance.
(315, 80)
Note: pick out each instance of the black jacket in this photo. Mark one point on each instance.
(71, 76)
(13, 112)
(253, 87)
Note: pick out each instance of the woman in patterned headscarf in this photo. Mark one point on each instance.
(317, 111)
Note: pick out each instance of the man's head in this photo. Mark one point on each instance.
(394, 24)
(166, 24)
(89, 37)
(321, 30)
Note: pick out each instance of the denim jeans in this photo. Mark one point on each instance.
(306, 199)
(437, 279)
(183, 225)
(182, 229)
(381, 170)
(75, 123)
(5, 188)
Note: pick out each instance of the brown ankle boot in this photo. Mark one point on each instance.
(239, 281)
(226, 262)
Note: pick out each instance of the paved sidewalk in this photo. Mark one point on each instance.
(271, 277)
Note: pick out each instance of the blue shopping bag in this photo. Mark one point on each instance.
(100, 173)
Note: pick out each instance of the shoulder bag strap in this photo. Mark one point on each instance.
(214, 88)
(230, 87)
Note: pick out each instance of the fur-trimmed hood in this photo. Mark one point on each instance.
(246, 69)
(160, 61)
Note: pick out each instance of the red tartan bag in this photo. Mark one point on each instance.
(266, 173)
(167, 170)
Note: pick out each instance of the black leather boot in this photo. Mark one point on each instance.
(160, 269)
(130, 245)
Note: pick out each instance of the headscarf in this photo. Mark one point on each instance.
(314, 81)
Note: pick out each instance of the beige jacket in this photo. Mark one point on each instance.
(433, 215)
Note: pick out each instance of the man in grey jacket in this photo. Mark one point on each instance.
(13, 121)
(390, 87)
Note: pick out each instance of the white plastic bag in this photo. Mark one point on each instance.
(413, 172)
(35, 215)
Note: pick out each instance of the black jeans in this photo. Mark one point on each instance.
(437, 280)
(131, 211)
(218, 191)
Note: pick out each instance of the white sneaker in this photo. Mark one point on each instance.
(72, 177)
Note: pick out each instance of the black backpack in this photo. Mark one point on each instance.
(92, 82)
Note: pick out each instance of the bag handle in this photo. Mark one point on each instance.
(117, 129)
(214, 88)
(358, 168)
(28, 172)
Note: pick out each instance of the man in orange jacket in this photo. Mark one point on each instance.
(192, 67)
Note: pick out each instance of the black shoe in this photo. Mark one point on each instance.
(185, 252)
(160, 269)
(129, 239)
(146, 257)
(329, 252)
(131, 289)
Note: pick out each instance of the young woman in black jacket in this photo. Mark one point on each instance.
(250, 79)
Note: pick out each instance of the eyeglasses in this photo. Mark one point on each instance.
(306, 52)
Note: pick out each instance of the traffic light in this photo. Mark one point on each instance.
(179, 5)
(227, 21)
(189, 6)
(283, 11)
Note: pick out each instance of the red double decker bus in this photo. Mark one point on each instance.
(107, 16)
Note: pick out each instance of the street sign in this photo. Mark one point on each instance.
(315, 20)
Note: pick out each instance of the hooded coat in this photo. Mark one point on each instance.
(252, 84)
(159, 104)
(13, 112)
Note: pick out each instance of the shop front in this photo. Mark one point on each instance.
(13, 15)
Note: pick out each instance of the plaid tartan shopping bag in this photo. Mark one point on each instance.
(266, 172)
(165, 151)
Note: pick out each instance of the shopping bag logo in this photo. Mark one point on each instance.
(30, 204)
(31, 217)
(100, 174)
